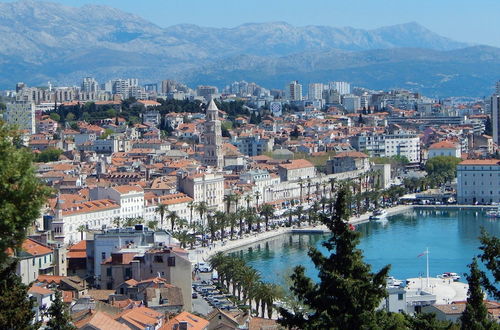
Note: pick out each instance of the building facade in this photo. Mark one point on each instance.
(213, 155)
(478, 181)
(22, 115)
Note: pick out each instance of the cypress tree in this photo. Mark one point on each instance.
(348, 293)
(59, 315)
(475, 316)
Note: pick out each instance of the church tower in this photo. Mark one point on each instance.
(213, 137)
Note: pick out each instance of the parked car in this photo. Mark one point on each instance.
(194, 295)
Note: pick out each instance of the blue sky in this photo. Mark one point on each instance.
(475, 21)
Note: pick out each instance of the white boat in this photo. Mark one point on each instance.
(393, 282)
(448, 275)
(493, 213)
(379, 215)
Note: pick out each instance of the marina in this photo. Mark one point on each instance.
(449, 233)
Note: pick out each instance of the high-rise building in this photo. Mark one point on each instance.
(213, 137)
(208, 92)
(90, 85)
(351, 103)
(294, 91)
(315, 91)
(22, 115)
(495, 117)
(341, 87)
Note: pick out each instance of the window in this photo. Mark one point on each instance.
(103, 255)
(128, 272)
(400, 296)
(108, 271)
(171, 261)
(158, 258)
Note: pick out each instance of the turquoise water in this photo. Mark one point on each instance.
(450, 235)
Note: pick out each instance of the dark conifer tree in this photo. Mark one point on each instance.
(347, 293)
(59, 315)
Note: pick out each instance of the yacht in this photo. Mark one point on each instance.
(393, 282)
(378, 215)
(493, 213)
(453, 276)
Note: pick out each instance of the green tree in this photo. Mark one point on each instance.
(490, 256)
(21, 193)
(475, 315)
(54, 116)
(70, 116)
(267, 211)
(442, 169)
(17, 309)
(48, 155)
(348, 293)
(161, 210)
(59, 315)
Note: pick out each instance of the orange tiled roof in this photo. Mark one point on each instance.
(194, 322)
(34, 248)
(481, 162)
(444, 145)
(296, 164)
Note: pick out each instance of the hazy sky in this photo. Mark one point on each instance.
(475, 21)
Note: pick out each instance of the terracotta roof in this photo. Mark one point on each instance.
(450, 309)
(480, 162)
(34, 248)
(296, 164)
(193, 322)
(100, 294)
(92, 206)
(444, 145)
(101, 320)
(141, 317)
(259, 323)
(40, 290)
(128, 189)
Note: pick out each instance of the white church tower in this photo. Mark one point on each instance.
(213, 137)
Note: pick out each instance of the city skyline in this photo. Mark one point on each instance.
(444, 17)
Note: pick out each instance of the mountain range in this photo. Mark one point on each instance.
(44, 41)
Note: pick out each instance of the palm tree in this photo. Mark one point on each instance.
(221, 222)
(81, 229)
(267, 211)
(240, 214)
(248, 199)
(236, 200)
(323, 202)
(232, 218)
(299, 212)
(212, 226)
(332, 182)
(184, 237)
(272, 293)
(249, 219)
(117, 222)
(191, 207)
(161, 210)
(290, 213)
(257, 197)
(152, 224)
(250, 279)
(202, 209)
(323, 185)
(228, 199)
(308, 190)
(301, 185)
(172, 217)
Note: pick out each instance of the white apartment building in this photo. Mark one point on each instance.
(478, 181)
(342, 87)
(178, 203)
(263, 181)
(407, 145)
(315, 91)
(21, 115)
(294, 91)
(130, 198)
(96, 214)
(351, 103)
(204, 187)
(388, 145)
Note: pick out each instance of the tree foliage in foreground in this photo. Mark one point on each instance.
(348, 293)
(490, 245)
(17, 308)
(59, 315)
(21, 193)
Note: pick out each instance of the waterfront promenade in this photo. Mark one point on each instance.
(202, 254)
